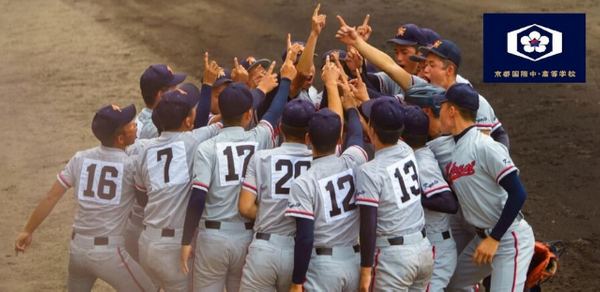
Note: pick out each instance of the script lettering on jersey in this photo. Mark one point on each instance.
(454, 172)
(430, 185)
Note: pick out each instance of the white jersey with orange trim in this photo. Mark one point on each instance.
(220, 166)
(270, 176)
(164, 172)
(486, 119)
(326, 194)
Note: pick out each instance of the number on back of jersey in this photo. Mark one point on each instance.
(339, 196)
(167, 165)
(284, 169)
(101, 182)
(233, 160)
(405, 181)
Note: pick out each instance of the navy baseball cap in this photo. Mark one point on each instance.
(297, 113)
(341, 53)
(250, 63)
(409, 35)
(159, 76)
(431, 36)
(444, 49)
(224, 77)
(461, 94)
(323, 125)
(175, 105)
(416, 121)
(235, 99)
(384, 113)
(109, 118)
(297, 57)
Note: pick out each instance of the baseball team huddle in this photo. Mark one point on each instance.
(395, 177)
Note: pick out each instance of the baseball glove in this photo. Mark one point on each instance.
(544, 263)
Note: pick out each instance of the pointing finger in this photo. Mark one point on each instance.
(235, 63)
(366, 21)
(341, 21)
(270, 71)
(316, 12)
(358, 76)
(289, 40)
(206, 60)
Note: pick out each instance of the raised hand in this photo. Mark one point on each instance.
(269, 81)
(359, 88)
(346, 34)
(364, 31)
(318, 21)
(336, 59)
(330, 73)
(288, 70)
(295, 48)
(239, 73)
(354, 59)
(211, 71)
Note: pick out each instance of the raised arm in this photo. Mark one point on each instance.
(381, 60)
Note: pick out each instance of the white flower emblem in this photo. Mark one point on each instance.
(534, 42)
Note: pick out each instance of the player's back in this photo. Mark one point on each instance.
(273, 173)
(146, 128)
(221, 164)
(329, 197)
(432, 183)
(164, 171)
(102, 178)
(393, 175)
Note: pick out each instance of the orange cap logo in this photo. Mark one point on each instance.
(114, 107)
(250, 60)
(436, 44)
(401, 31)
(170, 70)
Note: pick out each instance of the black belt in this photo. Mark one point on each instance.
(97, 240)
(217, 225)
(400, 240)
(263, 236)
(166, 232)
(481, 233)
(329, 250)
(446, 234)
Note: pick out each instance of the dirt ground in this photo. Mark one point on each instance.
(62, 60)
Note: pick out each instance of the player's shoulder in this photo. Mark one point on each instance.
(484, 142)
(424, 154)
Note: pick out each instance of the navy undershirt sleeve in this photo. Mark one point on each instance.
(501, 136)
(516, 198)
(266, 102)
(368, 229)
(305, 237)
(203, 107)
(141, 197)
(276, 109)
(444, 202)
(193, 214)
(355, 131)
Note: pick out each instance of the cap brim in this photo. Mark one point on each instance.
(426, 51)
(177, 78)
(440, 98)
(221, 81)
(192, 92)
(417, 58)
(265, 63)
(401, 42)
(129, 113)
(366, 107)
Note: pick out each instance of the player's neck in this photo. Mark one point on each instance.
(380, 146)
(460, 126)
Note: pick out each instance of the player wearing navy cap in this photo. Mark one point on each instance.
(219, 168)
(438, 200)
(163, 180)
(264, 197)
(323, 203)
(102, 178)
(491, 195)
(392, 218)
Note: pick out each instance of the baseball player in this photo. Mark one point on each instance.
(392, 218)
(264, 197)
(438, 200)
(491, 195)
(323, 203)
(221, 82)
(163, 179)
(153, 77)
(102, 178)
(155, 81)
(219, 168)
